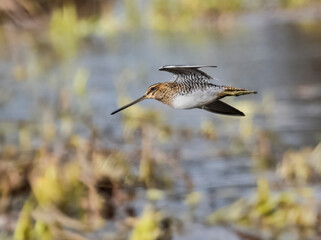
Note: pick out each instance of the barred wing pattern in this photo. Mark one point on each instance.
(187, 74)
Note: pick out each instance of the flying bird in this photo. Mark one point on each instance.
(190, 88)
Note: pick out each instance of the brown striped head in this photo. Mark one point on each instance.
(163, 92)
(154, 90)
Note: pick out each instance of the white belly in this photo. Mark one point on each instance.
(194, 99)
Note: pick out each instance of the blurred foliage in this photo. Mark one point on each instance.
(152, 225)
(272, 215)
(149, 123)
(266, 153)
(68, 182)
(69, 194)
(294, 3)
(208, 130)
(72, 20)
(24, 228)
(154, 194)
(285, 214)
(80, 82)
(133, 14)
(193, 199)
(182, 15)
(63, 195)
(301, 166)
(66, 30)
(146, 227)
(263, 145)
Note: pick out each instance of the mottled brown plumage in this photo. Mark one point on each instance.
(163, 92)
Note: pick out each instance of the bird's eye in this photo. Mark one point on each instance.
(153, 89)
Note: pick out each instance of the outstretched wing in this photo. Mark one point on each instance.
(186, 73)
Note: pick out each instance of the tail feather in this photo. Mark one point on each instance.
(231, 91)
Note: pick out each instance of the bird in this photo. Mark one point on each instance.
(191, 88)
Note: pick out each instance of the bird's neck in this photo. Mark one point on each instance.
(167, 92)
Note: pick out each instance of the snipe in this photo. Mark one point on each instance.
(190, 88)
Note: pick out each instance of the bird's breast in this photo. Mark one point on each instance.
(194, 99)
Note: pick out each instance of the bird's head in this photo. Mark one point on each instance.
(153, 92)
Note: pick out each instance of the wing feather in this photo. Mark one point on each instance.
(186, 73)
(222, 108)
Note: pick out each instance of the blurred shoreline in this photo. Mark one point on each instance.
(36, 16)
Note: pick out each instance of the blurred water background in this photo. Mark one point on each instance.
(69, 170)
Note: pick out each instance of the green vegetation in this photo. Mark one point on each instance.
(67, 24)
(147, 226)
(302, 166)
(273, 215)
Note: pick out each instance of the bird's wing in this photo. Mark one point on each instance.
(222, 108)
(184, 73)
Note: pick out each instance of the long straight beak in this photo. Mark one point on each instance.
(128, 105)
